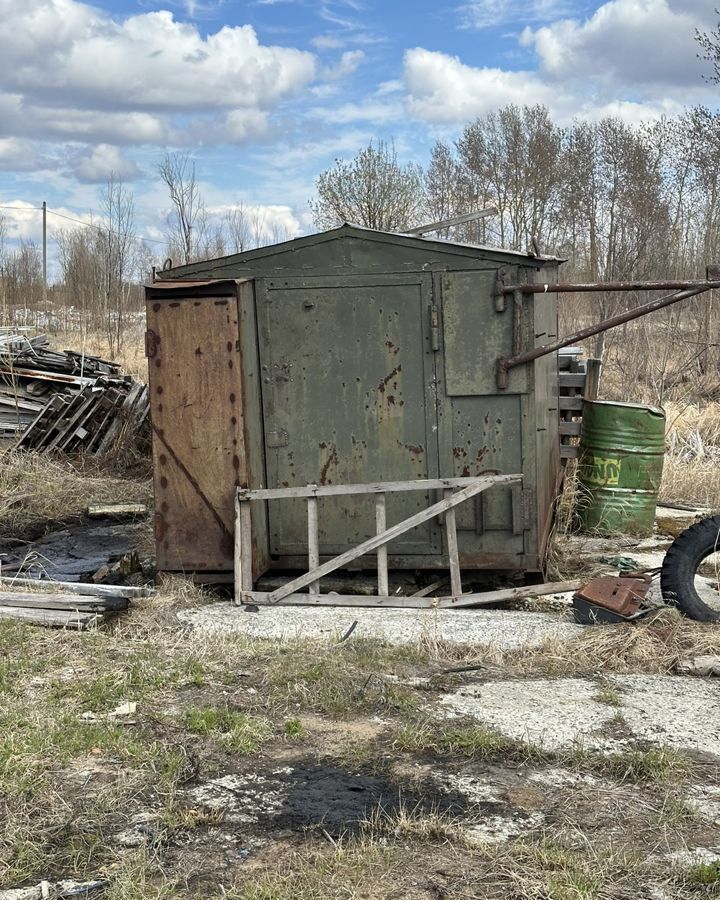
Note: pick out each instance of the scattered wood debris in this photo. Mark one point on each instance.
(56, 890)
(63, 604)
(63, 400)
(117, 511)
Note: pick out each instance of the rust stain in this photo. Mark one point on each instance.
(388, 378)
(459, 452)
(391, 400)
(232, 398)
(415, 449)
(229, 346)
(236, 461)
(466, 472)
(198, 352)
(331, 460)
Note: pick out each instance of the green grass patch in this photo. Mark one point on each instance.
(471, 740)
(236, 731)
(706, 874)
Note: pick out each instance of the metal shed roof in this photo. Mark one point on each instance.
(347, 230)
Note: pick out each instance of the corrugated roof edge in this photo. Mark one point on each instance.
(347, 228)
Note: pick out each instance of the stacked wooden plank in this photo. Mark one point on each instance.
(63, 400)
(57, 604)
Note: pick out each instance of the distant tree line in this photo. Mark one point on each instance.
(617, 201)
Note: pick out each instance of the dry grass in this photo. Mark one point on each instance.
(38, 491)
(652, 647)
(692, 460)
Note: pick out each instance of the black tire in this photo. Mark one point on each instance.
(677, 578)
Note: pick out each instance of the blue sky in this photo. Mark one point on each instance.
(265, 95)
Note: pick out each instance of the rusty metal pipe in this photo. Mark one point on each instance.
(584, 287)
(504, 365)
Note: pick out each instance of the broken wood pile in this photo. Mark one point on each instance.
(58, 604)
(63, 400)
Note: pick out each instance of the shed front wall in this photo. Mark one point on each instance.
(332, 348)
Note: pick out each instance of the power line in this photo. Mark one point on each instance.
(101, 227)
(80, 222)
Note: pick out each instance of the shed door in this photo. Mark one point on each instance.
(194, 374)
(348, 384)
(482, 428)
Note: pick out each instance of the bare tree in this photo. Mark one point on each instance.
(372, 189)
(118, 238)
(188, 219)
(710, 43)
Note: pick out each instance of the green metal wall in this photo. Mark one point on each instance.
(376, 358)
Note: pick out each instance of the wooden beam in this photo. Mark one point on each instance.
(478, 485)
(335, 490)
(506, 594)
(382, 555)
(452, 550)
(313, 541)
(264, 598)
(75, 587)
(117, 510)
(52, 618)
(42, 600)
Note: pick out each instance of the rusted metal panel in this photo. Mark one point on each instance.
(348, 396)
(621, 595)
(197, 416)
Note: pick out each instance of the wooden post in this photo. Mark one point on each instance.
(238, 574)
(243, 548)
(452, 549)
(592, 378)
(246, 545)
(313, 541)
(382, 554)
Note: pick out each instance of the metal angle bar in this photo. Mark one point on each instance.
(594, 286)
(455, 220)
(504, 365)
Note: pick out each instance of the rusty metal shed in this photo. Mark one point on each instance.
(351, 356)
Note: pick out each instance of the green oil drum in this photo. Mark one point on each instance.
(622, 446)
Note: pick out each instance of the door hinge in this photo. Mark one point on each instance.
(434, 328)
(523, 502)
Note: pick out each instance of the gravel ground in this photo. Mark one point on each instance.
(501, 628)
(557, 713)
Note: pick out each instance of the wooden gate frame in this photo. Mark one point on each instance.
(455, 492)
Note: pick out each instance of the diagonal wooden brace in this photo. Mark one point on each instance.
(481, 484)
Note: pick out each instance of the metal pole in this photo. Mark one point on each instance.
(44, 252)
(504, 365)
(584, 287)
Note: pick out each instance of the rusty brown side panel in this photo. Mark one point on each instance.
(197, 422)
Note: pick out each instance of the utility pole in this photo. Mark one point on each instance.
(44, 209)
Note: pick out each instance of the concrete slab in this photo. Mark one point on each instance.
(505, 629)
(559, 713)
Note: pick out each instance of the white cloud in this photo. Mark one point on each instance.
(635, 45)
(71, 70)
(347, 64)
(442, 89)
(635, 59)
(104, 161)
(490, 13)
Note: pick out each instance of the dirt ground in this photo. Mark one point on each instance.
(298, 766)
